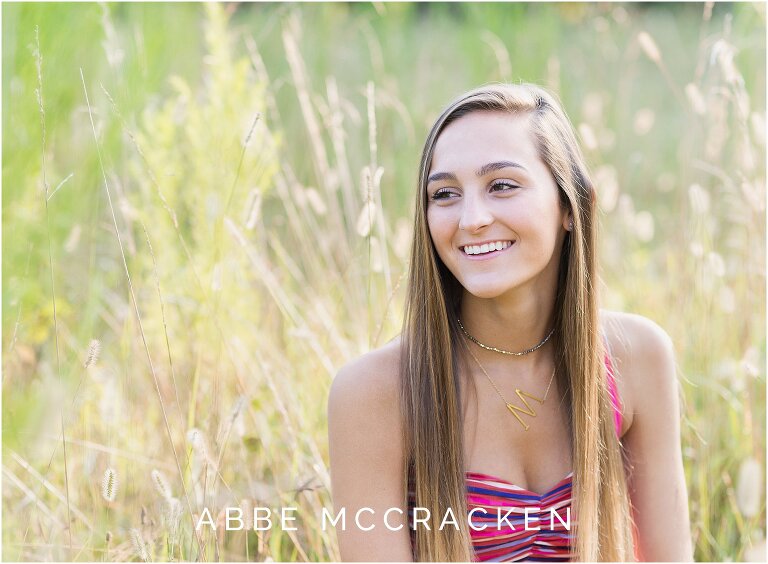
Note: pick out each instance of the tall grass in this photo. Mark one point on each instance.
(233, 225)
(47, 194)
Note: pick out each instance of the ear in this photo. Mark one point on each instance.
(568, 222)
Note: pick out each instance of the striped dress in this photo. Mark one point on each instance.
(511, 534)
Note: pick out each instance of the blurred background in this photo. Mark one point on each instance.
(207, 210)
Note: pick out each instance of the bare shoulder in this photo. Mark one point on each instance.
(364, 422)
(652, 443)
(370, 381)
(643, 355)
(366, 453)
(635, 338)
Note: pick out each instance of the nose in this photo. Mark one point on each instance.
(475, 213)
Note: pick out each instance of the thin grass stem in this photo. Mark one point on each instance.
(133, 299)
(39, 64)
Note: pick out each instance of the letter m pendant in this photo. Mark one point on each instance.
(528, 411)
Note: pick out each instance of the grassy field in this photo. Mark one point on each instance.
(207, 211)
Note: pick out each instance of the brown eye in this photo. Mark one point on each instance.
(504, 186)
(442, 194)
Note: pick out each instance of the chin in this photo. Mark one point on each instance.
(495, 286)
(487, 292)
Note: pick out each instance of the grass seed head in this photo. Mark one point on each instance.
(161, 484)
(649, 47)
(696, 98)
(749, 487)
(366, 219)
(196, 439)
(140, 547)
(94, 348)
(109, 485)
(172, 512)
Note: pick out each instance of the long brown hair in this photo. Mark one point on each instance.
(431, 346)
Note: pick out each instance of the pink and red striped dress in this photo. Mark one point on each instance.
(489, 496)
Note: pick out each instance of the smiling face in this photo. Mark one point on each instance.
(493, 208)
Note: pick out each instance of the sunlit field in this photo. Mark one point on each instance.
(207, 211)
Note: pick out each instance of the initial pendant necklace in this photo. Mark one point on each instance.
(514, 409)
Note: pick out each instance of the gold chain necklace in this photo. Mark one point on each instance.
(502, 351)
(520, 393)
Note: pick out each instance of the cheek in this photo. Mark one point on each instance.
(439, 226)
(441, 231)
(539, 216)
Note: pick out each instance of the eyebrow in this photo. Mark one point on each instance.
(482, 171)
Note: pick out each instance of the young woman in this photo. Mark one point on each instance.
(509, 397)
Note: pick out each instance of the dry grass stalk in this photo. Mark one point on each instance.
(30, 495)
(50, 487)
(39, 92)
(130, 285)
(165, 329)
(299, 269)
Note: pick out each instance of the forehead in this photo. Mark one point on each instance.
(486, 136)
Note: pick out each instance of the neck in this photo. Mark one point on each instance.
(512, 323)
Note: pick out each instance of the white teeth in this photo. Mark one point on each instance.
(487, 247)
